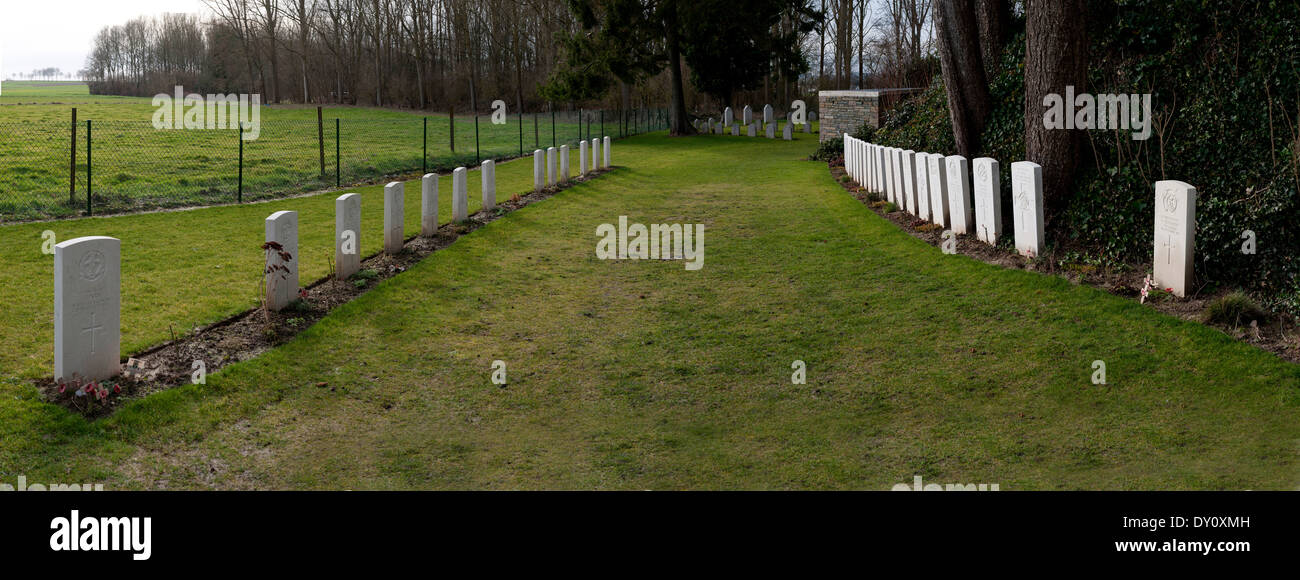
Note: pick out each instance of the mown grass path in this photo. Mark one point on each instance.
(641, 374)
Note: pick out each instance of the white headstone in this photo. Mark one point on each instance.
(1027, 205)
(552, 173)
(887, 175)
(987, 180)
(595, 153)
(771, 130)
(282, 287)
(728, 119)
(88, 308)
(607, 153)
(788, 132)
(735, 130)
(1175, 235)
(394, 214)
(867, 161)
(896, 178)
(429, 205)
(866, 164)
(747, 115)
(539, 170)
(879, 178)
(459, 195)
(752, 130)
(347, 235)
(582, 157)
(959, 207)
(767, 113)
(848, 154)
(884, 173)
(564, 163)
(488, 171)
(922, 185)
(873, 172)
(859, 161)
(938, 180)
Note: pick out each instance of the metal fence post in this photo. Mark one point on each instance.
(553, 143)
(521, 131)
(424, 154)
(476, 149)
(452, 119)
(338, 168)
(72, 170)
(89, 181)
(537, 143)
(239, 193)
(602, 122)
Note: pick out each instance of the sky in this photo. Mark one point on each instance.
(58, 33)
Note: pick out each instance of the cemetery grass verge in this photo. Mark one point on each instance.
(1275, 332)
(187, 269)
(246, 335)
(643, 375)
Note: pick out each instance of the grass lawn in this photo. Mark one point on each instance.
(643, 375)
(136, 165)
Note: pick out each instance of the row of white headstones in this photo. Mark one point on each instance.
(752, 125)
(937, 188)
(747, 116)
(88, 270)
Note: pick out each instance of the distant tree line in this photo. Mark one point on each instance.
(407, 53)
(45, 74)
(459, 53)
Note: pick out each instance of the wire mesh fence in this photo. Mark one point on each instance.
(88, 167)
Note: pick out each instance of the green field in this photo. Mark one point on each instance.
(136, 166)
(51, 92)
(644, 375)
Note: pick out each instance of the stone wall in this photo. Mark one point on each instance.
(842, 111)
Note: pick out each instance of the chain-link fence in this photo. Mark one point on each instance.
(87, 167)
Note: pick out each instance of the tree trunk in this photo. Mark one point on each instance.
(679, 124)
(862, 13)
(1056, 55)
(994, 20)
(957, 35)
(821, 54)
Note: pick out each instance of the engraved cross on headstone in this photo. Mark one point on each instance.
(1024, 207)
(91, 329)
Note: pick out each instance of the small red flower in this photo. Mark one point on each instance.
(117, 388)
(90, 388)
(62, 387)
(302, 293)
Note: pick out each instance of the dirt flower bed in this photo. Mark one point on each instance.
(1278, 333)
(250, 333)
